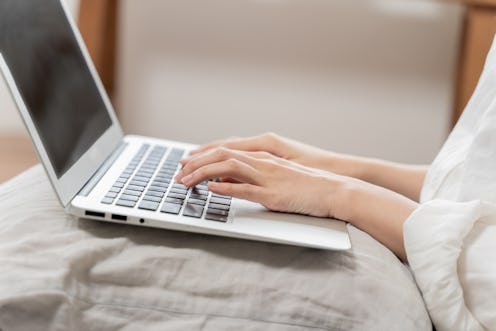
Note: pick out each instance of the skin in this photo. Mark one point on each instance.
(287, 176)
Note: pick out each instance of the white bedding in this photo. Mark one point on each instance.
(61, 273)
(450, 239)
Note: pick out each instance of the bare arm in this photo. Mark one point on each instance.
(404, 179)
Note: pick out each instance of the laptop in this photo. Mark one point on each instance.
(99, 173)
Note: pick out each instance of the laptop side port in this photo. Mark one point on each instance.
(94, 214)
(119, 217)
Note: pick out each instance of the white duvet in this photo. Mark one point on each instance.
(451, 238)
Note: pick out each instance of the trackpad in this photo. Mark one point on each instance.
(256, 220)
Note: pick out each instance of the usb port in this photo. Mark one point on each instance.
(119, 217)
(94, 214)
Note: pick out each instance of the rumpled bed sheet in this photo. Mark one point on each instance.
(62, 273)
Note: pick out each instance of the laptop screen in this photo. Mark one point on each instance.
(41, 51)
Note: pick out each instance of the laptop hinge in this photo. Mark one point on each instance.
(102, 170)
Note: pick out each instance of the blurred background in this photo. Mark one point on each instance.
(369, 77)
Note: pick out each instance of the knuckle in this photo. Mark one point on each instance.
(190, 166)
(271, 139)
(267, 155)
(271, 135)
(233, 163)
(198, 174)
(227, 189)
(221, 152)
(251, 190)
(271, 164)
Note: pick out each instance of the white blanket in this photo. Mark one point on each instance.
(61, 273)
(451, 239)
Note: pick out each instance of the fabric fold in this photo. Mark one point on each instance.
(435, 239)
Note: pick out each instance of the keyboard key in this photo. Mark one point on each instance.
(129, 197)
(158, 188)
(220, 196)
(169, 172)
(118, 184)
(196, 190)
(138, 183)
(108, 201)
(131, 192)
(152, 198)
(197, 202)
(174, 200)
(178, 191)
(163, 185)
(145, 173)
(180, 186)
(141, 178)
(125, 203)
(215, 217)
(163, 179)
(115, 189)
(192, 210)
(203, 197)
(218, 206)
(221, 201)
(155, 194)
(171, 208)
(111, 195)
(177, 195)
(135, 188)
(217, 212)
(148, 205)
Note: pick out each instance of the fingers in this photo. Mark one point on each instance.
(213, 156)
(265, 142)
(256, 155)
(241, 191)
(206, 147)
(232, 168)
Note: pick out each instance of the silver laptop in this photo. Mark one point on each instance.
(96, 171)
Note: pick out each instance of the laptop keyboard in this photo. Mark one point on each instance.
(150, 185)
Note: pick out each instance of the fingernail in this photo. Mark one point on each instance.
(179, 175)
(187, 180)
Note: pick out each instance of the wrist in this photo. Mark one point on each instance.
(343, 194)
(345, 165)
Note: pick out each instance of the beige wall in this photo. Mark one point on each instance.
(370, 77)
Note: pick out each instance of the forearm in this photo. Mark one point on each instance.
(404, 179)
(377, 211)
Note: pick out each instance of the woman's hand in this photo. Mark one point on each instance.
(278, 184)
(285, 186)
(401, 178)
(276, 145)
